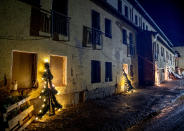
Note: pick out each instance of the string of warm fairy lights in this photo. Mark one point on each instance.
(44, 96)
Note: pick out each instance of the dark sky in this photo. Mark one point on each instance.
(169, 16)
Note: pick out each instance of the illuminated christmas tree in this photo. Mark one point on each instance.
(48, 94)
(127, 81)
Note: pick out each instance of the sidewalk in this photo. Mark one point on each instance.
(114, 113)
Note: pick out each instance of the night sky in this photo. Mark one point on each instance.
(169, 16)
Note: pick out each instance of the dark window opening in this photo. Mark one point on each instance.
(157, 49)
(96, 27)
(59, 16)
(126, 11)
(124, 32)
(120, 6)
(108, 71)
(136, 20)
(95, 71)
(108, 28)
(146, 27)
(130, 46)
(95, 20)
(143, 26)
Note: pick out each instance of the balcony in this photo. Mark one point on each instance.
(92, 38)
(49, 24)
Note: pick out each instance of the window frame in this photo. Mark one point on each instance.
(108, 34)
(95, 74)
(124, 36)
(126, 11)
(136, 19)
(120, 6)
(108, 72)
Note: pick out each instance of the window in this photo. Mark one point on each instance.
(170, 57)
(95, 71)
(108, 28)
(154, 50)
(146, 27)
(120, 6)
(130, 14)
(157, 49)
(95, 20)
(131, 38)
(124, 32)
(163, 54)
(143, 26)
(162, 51)
(136, 20)
(167, 56)
(139, 21)
(130, 48)
(108, 71)
(126, 11)
(96, 34)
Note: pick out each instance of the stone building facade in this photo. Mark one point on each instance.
(154, 66)
(87, 44)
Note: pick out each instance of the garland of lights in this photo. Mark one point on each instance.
(48, 94)
(127, 81)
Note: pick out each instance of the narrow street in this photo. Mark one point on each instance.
(169, 119)
(122, 112)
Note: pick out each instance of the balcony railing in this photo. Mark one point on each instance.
(51, 24)
(92, 38)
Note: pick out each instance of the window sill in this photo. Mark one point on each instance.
(108, 36)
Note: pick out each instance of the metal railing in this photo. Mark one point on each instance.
(50, 22)
(92, 38)
(60, 23)
(45, 22)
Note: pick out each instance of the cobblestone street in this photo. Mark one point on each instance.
(114, 113)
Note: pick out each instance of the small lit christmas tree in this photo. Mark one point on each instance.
(48, 94)
(127, 81)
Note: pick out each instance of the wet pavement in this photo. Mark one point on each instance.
(119, 112)
(169, 119)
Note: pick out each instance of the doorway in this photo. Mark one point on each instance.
(58, 70)
(24, 69)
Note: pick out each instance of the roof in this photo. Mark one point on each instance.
(143, 12)
(103, 4)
